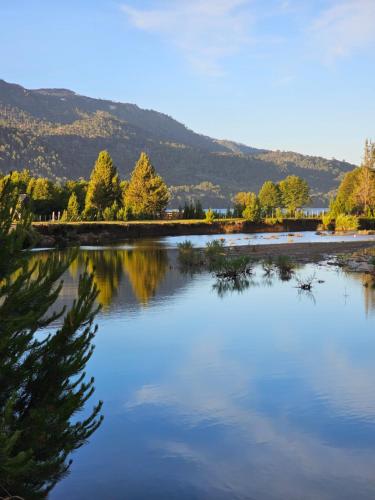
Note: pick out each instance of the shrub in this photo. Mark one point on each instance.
(232, 268)
(124, 214)
(299, 214)
(271, 221)
(185, 245)
(346, 222)
(214, 249)
(328, 221)
(285, 267)
(210, 216)
(188, 255)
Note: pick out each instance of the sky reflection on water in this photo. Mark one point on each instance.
(260, 394)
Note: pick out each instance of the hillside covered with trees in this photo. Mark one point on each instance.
(58, 134)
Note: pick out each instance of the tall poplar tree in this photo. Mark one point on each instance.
(294, 193)
(42, 379)
(269, 197)
(147, 194)
(104, 187)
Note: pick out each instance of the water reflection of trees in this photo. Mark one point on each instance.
(145, 270)
(107, 265)
(368, 283)
(239, 285)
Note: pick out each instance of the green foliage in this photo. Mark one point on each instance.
(210, 216)
(123, 214)
(294, 193)
(232, 268)
(73, 212)
(193, 210)
(240, 201)
(269, 197)
(42, 378)
(110, 213)
(104, 188)
(328, 221)
(252, 211)
(146, 194)
(285, 267)
(214, 251)
(346, 222)
(279, 215)
(188, 256)
(356, 193)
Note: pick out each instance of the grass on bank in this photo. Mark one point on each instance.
(137, 222)
(163, 222)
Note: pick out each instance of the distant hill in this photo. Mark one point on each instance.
(58, 134)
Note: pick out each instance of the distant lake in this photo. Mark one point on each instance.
(212, 393)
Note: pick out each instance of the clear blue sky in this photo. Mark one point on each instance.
(292, 75)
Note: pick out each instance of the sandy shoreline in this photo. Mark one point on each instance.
(303, 252)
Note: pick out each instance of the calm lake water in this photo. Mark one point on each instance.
(263, 393)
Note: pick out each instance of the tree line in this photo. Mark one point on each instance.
(273, 200)
(103, 197)
(144, 196)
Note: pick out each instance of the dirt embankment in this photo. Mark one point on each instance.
(98, 233)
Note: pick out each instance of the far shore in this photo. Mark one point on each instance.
(61, 235)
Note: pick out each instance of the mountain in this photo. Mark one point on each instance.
(58, 134)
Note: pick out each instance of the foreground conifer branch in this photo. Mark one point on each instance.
(42, 380)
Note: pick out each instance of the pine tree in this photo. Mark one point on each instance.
(147, 194)
(104, 187)
(42, 379)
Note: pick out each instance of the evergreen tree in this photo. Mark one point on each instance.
(73, 208)
(198, 210)
(42, 379)
(269, 197)
(294, 193)
(103, 188)
(147, 194)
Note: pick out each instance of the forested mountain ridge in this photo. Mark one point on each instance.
(58, 134)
